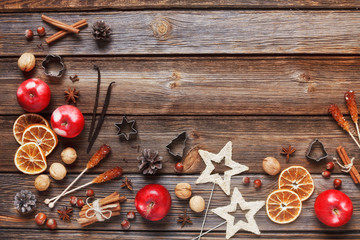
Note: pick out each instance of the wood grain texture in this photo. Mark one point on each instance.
(254, 138)
(72, 5)
(111, 235)
(307, 219)
(197, 85)
(194, 32)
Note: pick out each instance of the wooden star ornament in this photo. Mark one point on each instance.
(208, 158)
(250, 225)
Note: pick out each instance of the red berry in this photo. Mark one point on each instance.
(330, 166)
(125, 224)
(90, 193)
(51, 223)
(73, 200)
(80, 203)
(326, 174)
(40, 218)
(130, 215)
(29, 34)
(337, 183)
(41, 31)
(246, 180)
(257, 183)
(179, 167)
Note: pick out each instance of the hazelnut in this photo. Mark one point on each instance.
(68, 155)
(40, 218)
(57, 171)
(183, 190)
(42, 182)
(271, 166)
(26, 62)
(197, 204)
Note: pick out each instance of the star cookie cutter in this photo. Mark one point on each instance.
(121, 126)
(179, 140)
(53, 65)
(309, 153)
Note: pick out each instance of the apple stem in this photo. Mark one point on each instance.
(149, 208)
(336, 211)
(64, 124)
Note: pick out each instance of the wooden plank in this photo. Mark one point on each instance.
(198, 85)
(254, 138)
(194, 32)
(179, 234)
(307, 220)
(67, 5)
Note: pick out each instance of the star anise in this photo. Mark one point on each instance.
(288, 151)
(184, 219)
(71, 95)
(127, 183)
(65, 214)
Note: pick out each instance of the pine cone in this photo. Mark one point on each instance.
(101, 30)
(150, 161)
(25, 201)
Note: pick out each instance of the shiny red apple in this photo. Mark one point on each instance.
(33, 95)
(333, 208)
(67, 121)
(153, 202)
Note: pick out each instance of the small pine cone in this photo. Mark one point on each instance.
(101, 31)
(25, 201)
(150, 161)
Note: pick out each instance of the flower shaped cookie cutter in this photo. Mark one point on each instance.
(53, 65)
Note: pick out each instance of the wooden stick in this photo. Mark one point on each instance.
(61, 33)
(87, 221)
(345, 159)
(352, 136)
(47, 201)
(59, 24)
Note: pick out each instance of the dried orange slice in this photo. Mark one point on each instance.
(283, 206)
(24, 121)
(30, 159)
(297, 179)
(42, 135)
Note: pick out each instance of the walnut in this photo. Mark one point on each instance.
(183, 190)
(26, 62)
(68, 155)
(197, 204)
(42, 182)
(57, 171)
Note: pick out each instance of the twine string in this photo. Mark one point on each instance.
(346, 167)
(99, 211)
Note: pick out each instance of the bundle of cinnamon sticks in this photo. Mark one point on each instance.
(113, 199)
(355, 176)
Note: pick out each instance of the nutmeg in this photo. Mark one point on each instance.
(271, 166)
(197, 204)
(68, 155)
(183, 190)
(57, 171)
(42, 182)
(26, 62)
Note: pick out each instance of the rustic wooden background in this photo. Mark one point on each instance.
(259, 73)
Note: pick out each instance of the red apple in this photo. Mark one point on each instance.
(67, 121)
(33, 95)
(153, 202)
(333, 208)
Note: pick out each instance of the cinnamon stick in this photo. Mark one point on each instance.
(82, 214)
(59, 24)
(355, 176)
(87, 221)
(62, 33)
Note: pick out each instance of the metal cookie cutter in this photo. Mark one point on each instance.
(53, 65)
(312, 146)
(126, 129)
(175, 143)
